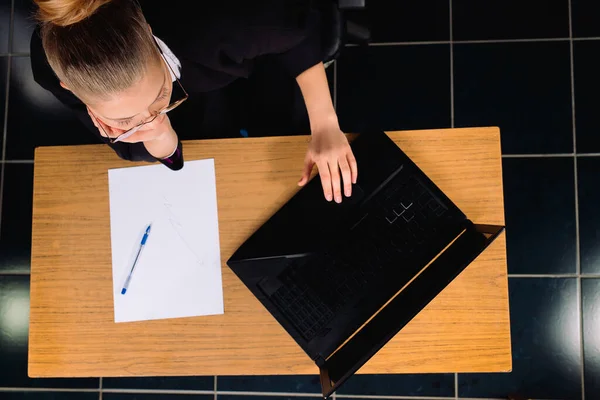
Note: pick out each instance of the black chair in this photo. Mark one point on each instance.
(338, 30)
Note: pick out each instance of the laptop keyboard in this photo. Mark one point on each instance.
(313, 289)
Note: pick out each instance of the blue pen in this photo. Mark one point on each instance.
(137, 257)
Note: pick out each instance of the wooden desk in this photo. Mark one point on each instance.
(72, 333)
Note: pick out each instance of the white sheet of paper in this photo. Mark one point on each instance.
(179, 270)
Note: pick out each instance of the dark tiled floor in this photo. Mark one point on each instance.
(585, 22)
(284, 383)
(405, 21)
(525, 88)
(439, 385)
(5, 6)
(249, 397)
(162, 383)
(587, 86)
(3, 87)
(539, 202)
(510, 19)
(408, 87)
(590, 289)
(588, 171)
(48, 396)
(15, 231)
(146, 396)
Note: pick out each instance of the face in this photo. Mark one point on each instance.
(136, 105)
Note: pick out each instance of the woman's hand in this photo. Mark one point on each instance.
(330, 151)
(158, 137)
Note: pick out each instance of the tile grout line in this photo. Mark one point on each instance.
(434, 42)
(537, 155)
(576, 194)
(52, 390)
(14, 273)
(542, 275)
(582, 39)
(587, 154)
(534, 40)
(456, 385)
(548, 155)
(15, 54)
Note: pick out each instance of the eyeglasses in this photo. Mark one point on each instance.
(165, 110)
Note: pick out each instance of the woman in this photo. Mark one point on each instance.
(123, 66)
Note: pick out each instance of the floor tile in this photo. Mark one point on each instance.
(590, 292)
(441, 385)
(545, 344)
(404, 21)
(587, 86)
(48, 396)
(15, 233)
(394, 87)
(3, 70)
(585, 18)
(510, 19)
(14, 330)
(24, 24)
(4, 25)
(539, 203)
(524, 88)
(588, 171)
(161, 383)
(147, 396)
(54, 123)
(257, 397)
(279, 383)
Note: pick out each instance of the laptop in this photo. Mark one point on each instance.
(343, 279)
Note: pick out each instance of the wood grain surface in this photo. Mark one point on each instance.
(72, 333)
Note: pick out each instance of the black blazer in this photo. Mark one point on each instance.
(216, 46)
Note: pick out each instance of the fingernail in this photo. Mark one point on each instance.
(328, 197)
(348, 193)
(338, 199)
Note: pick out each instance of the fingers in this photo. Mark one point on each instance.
(334, 170)
(326, 180)
(353, 166)
(308, 167)
(346, 176)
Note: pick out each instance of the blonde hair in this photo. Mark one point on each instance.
(96, 47)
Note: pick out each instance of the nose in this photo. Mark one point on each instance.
(157, 121)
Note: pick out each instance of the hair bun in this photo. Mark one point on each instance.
(67, 12)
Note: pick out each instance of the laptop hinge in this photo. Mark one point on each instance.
(320, 361)
(406, 305)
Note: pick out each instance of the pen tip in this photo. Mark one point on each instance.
(123, 291)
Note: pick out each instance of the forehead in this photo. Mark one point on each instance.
(137, 98)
